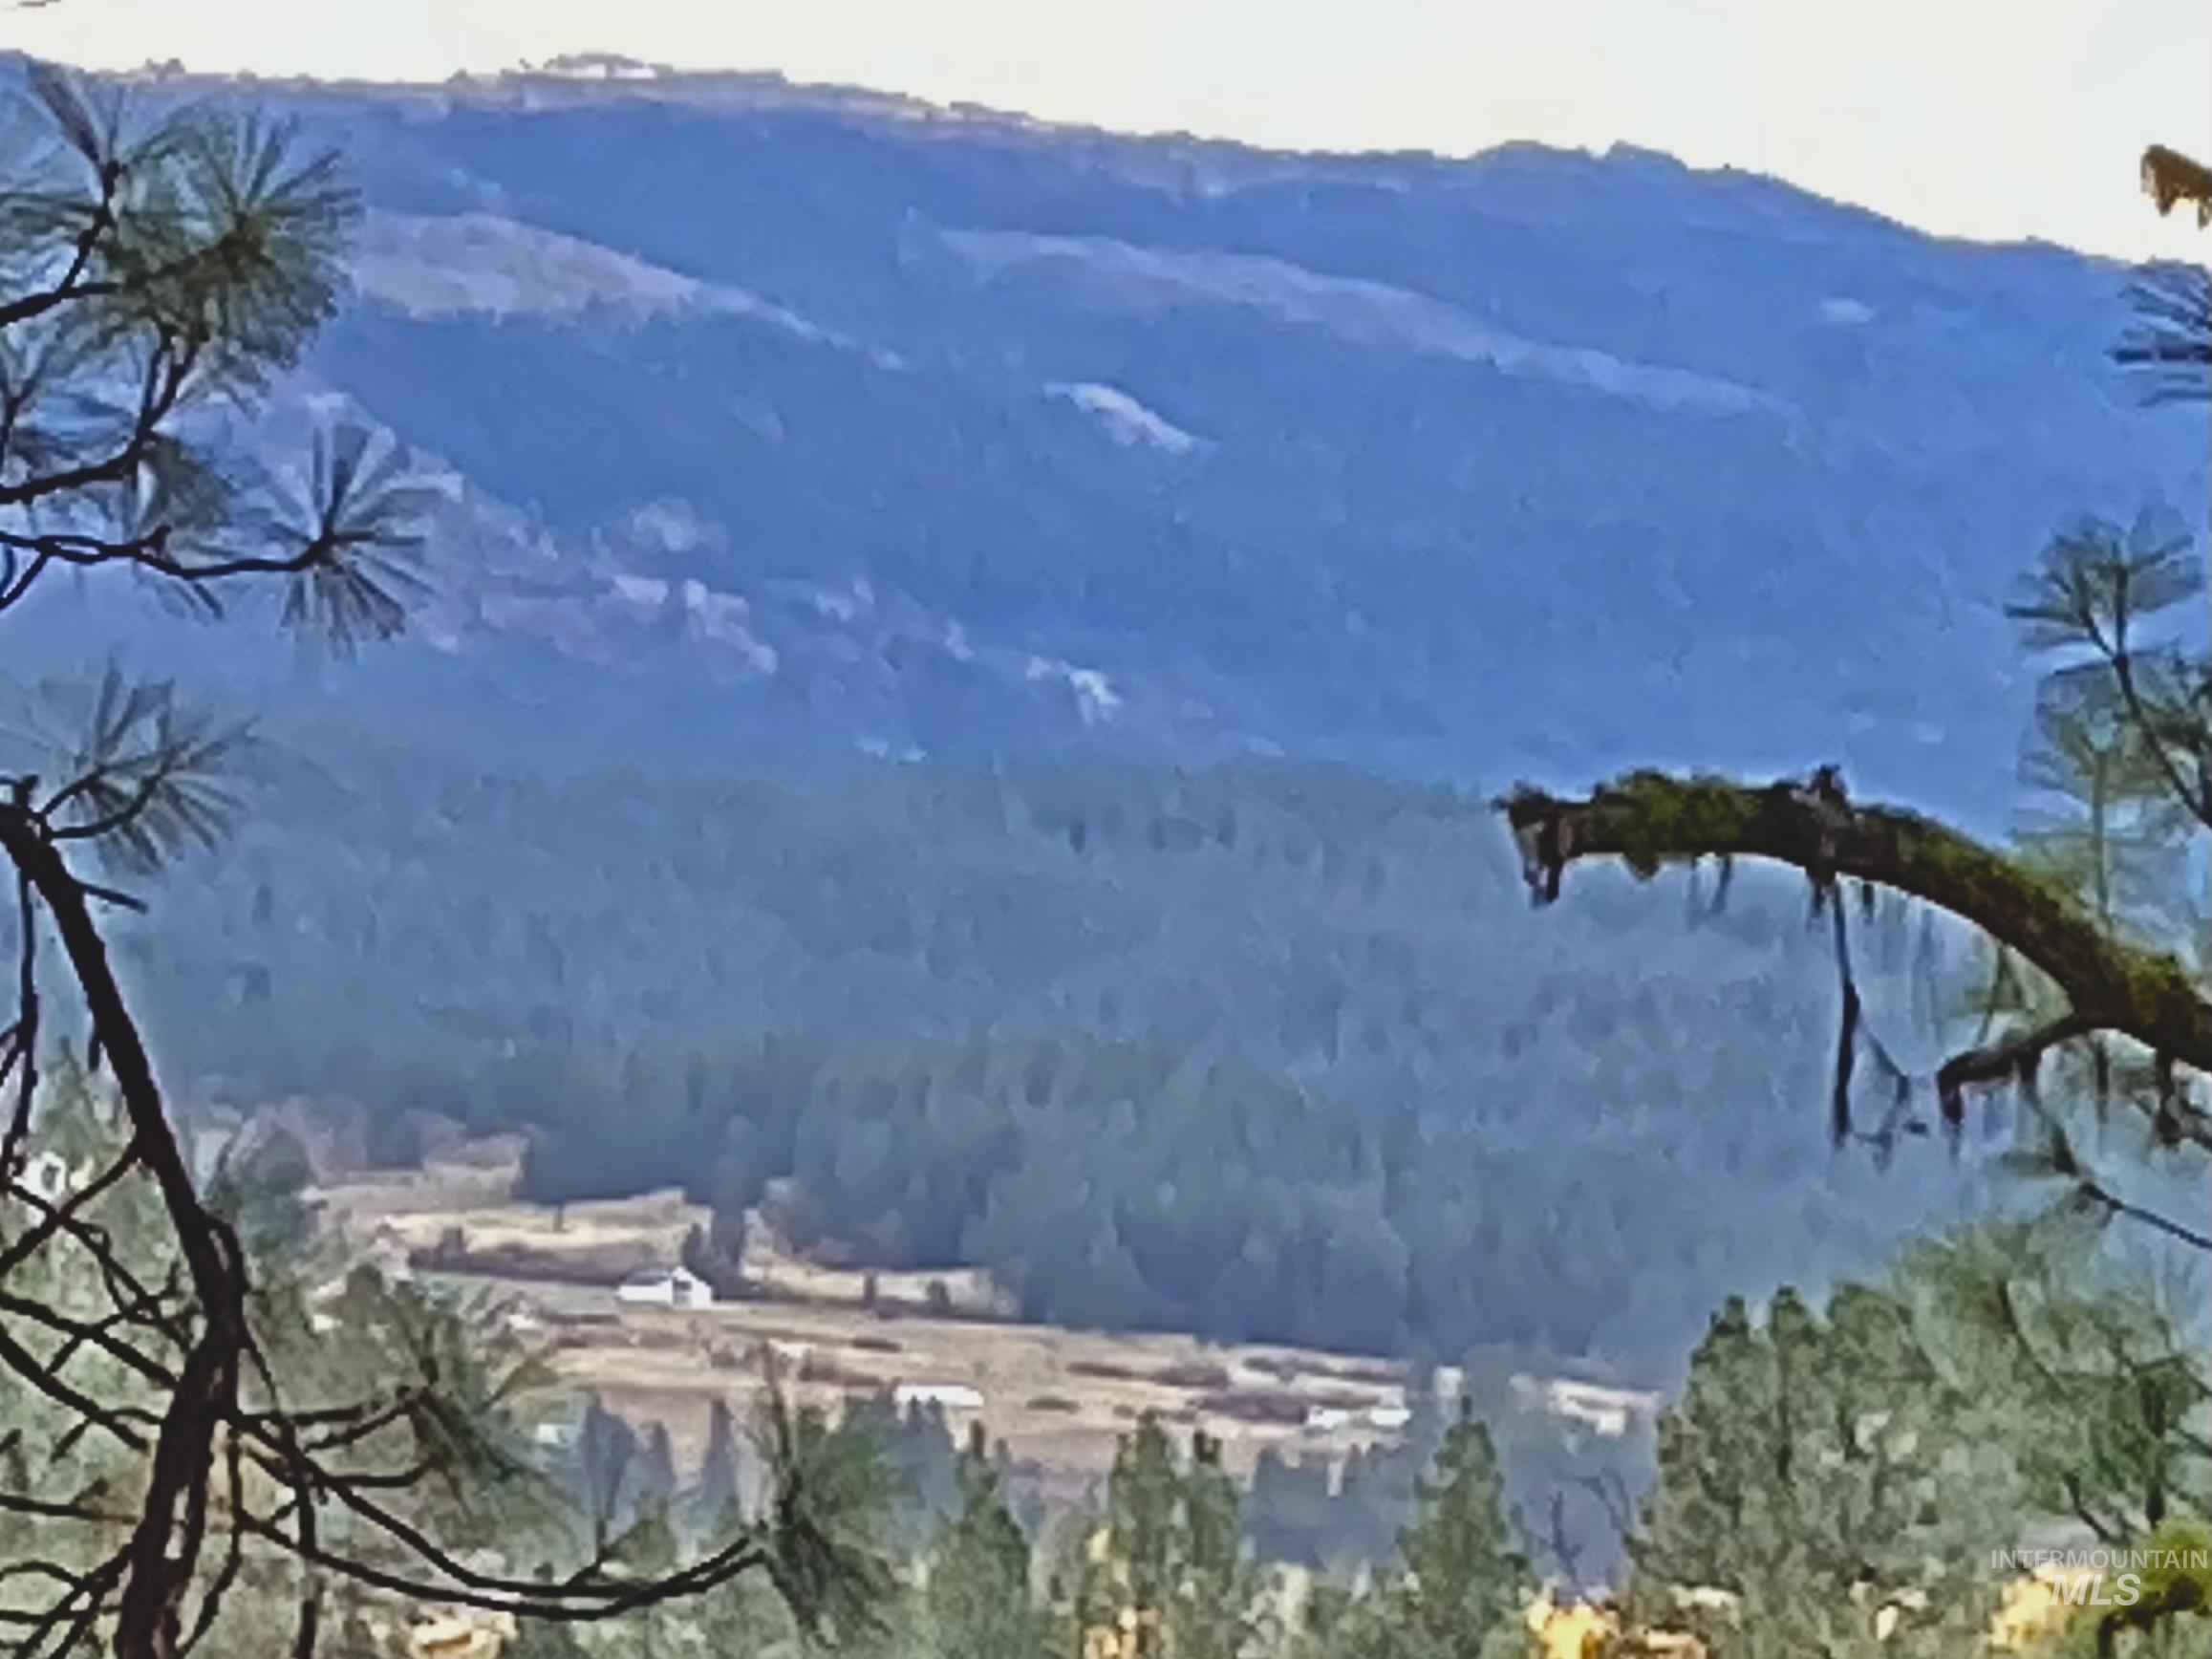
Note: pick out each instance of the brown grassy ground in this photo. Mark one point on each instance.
(1059, 1399)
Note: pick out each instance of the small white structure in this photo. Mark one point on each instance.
(950, 1396)
(1389, 1417)
(1327, 1419)
(46, 1177)
(1609, 1411)
(666, 1287)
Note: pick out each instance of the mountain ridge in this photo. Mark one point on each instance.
(1335, 328)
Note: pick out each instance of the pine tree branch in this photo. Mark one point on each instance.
(82, 1334)
(1651, 818)
(2091, 1192)
(164, 1548)
(2008, 1058)
(72, 287)
(152, 1576)
(2171, 177)
(167, 374)
(573, 1602)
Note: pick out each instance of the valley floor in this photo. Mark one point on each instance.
(1059, 1399)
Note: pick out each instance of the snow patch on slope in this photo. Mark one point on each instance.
(1126, 420)
(1130, 276)
(1096, 701)
(483, 265)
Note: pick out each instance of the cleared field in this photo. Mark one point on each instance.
(464, 1205)
(1059, 1399)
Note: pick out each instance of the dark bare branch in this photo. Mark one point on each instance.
(165, 1544)
(2005, 1061)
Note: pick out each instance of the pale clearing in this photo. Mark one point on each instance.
(1059, 1399)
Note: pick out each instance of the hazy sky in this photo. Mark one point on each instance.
(1977, 117)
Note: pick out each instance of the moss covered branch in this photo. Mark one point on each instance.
(1649, 819)
(2171, 177)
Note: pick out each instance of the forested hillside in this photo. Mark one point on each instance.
(1260, 1051)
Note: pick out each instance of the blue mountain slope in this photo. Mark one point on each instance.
(1536, 458)
(1537, 461)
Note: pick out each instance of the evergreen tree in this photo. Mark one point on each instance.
(922, 1459)
(1837, 1480)
(1166, 1575)
(1465, 1584)
(713, 1502)
(606, 1456)
(1212, 1613)
(1817, 1471)
(543, 1639)
(981, 1603)
(1354, 1622)
(1144, 1504)
(655, 1481)
(2090, 1376)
